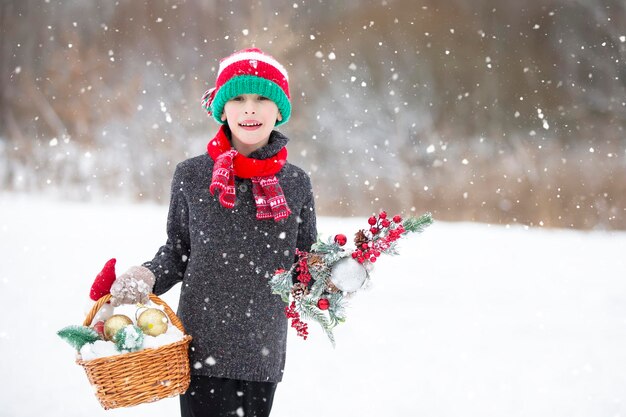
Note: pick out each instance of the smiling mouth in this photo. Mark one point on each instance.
(250, 124)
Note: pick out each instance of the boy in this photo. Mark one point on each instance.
(237, 213)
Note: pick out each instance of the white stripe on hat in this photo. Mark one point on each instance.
(252, 55)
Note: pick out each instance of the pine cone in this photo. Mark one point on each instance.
(299, 290)
(360, 238)
(316, 261)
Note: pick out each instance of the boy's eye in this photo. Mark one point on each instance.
(238, 98)
(263, 98)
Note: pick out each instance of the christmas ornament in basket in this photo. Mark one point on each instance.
(130, 363)
(330, 272)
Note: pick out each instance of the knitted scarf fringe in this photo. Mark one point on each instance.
(268, 195)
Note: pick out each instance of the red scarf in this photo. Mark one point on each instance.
(268, 195)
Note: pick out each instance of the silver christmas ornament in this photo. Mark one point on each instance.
(348, 275)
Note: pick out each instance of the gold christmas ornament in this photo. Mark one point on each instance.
(153, 322)
(114, 324)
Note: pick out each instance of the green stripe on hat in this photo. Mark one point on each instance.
(251, 84)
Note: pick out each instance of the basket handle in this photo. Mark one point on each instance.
(153, 297)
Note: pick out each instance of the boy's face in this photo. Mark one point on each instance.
(251, 118)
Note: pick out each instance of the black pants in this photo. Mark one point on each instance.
(222, 397)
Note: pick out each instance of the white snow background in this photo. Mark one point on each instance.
(470, 319)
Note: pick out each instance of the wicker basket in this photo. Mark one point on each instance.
(139, 377)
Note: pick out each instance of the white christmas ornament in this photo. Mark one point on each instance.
(348, 275)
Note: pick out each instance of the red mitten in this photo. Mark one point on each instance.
(102, 284)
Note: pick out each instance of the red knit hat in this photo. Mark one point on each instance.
(249, 71)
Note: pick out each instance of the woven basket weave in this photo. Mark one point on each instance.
(139, 377)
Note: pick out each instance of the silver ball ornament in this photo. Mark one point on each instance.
(348, 275)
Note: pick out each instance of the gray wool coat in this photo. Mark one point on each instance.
(224, 258)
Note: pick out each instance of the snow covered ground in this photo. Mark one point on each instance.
(471, 320)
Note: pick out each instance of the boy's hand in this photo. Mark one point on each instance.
(133, 286)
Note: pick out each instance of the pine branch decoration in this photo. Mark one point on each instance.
(78, 336)
(324, 274)
(418, 224)
(309, 310)
(281, 284)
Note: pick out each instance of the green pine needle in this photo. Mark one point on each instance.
(309, 310)
(78, 336)
(418, 224)
(336, 310)
(325, 247)
(281, 284)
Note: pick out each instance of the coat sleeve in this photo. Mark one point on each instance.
(170, 261)
(307, 228)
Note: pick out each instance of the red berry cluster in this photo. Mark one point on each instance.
(379, 225)
(304, 276)
(301, 327)
(366, 253)
(383, 243)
